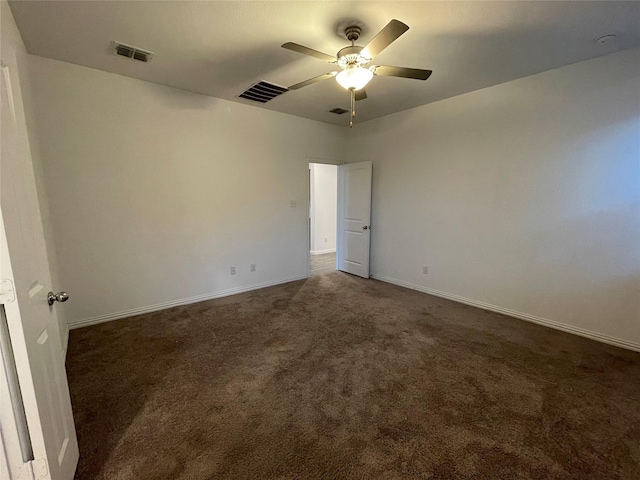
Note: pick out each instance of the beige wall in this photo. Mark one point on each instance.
(155, 192)
(523, 196)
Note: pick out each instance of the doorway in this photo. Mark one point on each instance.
(323, 217)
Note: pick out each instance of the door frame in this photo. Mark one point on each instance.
(325, 161)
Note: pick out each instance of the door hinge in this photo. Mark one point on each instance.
(24, 472)
(34, 470)
(7, 292)
(40, 468)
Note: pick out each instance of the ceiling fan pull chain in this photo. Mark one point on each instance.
(353, 106)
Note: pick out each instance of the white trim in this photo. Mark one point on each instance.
(65, 338)
(325, 161)
(184, 301)
(322, 252)
(618, 342)
(310, 172)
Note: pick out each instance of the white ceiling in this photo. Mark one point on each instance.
(221, 48)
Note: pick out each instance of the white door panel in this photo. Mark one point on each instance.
(354, 216)
(32, 324)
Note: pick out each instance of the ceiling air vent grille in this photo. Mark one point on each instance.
(263, 92)
(338, 110)
(132, 52)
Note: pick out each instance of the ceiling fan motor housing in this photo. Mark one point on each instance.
(352, 33)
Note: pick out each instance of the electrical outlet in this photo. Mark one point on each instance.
(425, 269)
(293, 203)
(233, 270)
(325, 239)
(253, 267)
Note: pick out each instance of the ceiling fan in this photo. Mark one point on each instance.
(354, 60)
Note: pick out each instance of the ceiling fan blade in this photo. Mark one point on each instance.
(319, 78)
(403, 72)
(361, 94)
(309, 51)
(384, 38)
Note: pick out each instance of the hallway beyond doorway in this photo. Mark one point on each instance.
(323, 263)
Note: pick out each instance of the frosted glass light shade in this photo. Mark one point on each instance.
(354, 78)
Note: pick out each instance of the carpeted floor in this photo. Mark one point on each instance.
(338, 377)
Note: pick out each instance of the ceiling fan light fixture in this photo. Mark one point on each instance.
(353, 61)
(354, 78)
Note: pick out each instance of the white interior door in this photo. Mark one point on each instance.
(32, 325)
(354, 217)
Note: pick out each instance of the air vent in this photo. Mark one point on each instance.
(263, 92)
(338, 110)
(132, 52)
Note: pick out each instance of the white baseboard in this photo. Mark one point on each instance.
(322, 252)
(184, 301)
(618, 342)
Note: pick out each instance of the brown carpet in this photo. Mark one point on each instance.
(338, 377)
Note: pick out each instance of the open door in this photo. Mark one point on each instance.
(354, 217)
(34, 377)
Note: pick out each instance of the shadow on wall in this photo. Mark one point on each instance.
(177, 99)
(231, 76)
